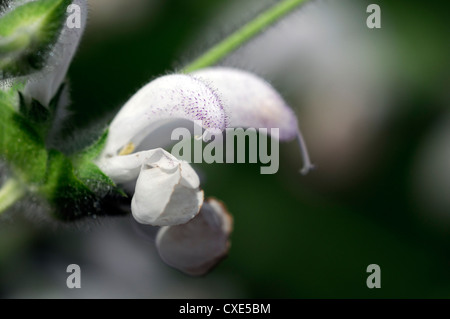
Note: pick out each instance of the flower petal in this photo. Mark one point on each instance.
(167, 189)
(126, 168)
(194, 248)
(252, 102)
(44, 85)
(189, 176)
(163, 100)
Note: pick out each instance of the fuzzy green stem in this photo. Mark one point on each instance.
(248, 31)
(10, 193)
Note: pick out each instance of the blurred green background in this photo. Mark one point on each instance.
(373, 107)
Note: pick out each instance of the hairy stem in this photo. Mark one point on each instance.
(248, 31)
(10, 193)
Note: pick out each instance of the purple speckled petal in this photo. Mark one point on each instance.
(168, 98)
(252, 102)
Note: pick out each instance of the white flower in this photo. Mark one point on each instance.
(167, 189)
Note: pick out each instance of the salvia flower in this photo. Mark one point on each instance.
(217, 98)
(167, 193)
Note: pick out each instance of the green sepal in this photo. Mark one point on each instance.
(27, 35)
(40, 116)
(75, 187)
(96, 180)
(90, 173)
(70, 198)
(8, 92)
(93, 151)
(35, 111)
(21, 146)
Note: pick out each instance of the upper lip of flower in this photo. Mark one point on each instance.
(167, 98)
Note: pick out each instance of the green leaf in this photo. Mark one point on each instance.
(21, 146)
(27, 35)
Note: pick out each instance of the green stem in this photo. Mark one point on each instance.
(10, 193)
(244, 34)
